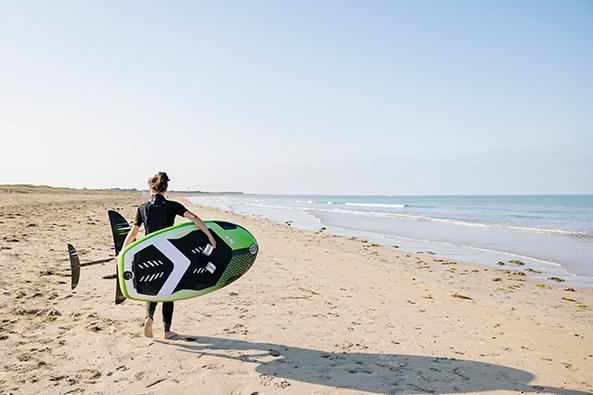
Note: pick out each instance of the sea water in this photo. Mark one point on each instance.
(551, 234)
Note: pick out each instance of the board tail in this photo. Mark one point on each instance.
(74, 266)
(119, 229)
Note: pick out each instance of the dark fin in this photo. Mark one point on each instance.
(74, 265)
(119, 297)
(119, 229)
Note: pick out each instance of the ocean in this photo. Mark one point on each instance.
(549, 233)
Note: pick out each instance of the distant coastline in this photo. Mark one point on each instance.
(30, 188)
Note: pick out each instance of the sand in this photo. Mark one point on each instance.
(316, 314)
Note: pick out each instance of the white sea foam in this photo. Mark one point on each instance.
(432, 219)
(460, 222)
(274, 206)
(315, 201)
(377, 205)
(412, 217)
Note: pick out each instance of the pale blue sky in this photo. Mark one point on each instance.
(365, 97)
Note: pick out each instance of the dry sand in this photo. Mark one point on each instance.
(316, 314)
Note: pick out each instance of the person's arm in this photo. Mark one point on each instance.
(133, 233)
(131, 237)
(196, 220)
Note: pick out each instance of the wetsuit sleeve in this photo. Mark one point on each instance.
(179, 209)
(138, 218)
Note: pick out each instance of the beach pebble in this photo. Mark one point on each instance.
(23, 357)
(52, 313)
(557, 279)
(459, 296)
(284, 384)
(23, 311)
(568, 299)
(94, 327)
(93, 374)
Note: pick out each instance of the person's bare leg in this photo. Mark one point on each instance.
(167, 319)
(150, 308)
(148, 327)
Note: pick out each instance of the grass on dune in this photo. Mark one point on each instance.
(29, 188)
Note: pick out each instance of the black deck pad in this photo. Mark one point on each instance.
(151, 269)
(197, 276)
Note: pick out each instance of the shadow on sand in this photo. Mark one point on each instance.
(378, 373)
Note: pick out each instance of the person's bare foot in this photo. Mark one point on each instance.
(148, 327)
(169, 335)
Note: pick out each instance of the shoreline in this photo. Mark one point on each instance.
(317, 313)
(307, 219)
(439, 265)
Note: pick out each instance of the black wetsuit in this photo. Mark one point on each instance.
(156, 214)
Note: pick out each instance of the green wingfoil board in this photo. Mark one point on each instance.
(177, 262)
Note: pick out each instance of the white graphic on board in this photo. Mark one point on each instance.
(148, 278)
(181, 265)
(147, 264)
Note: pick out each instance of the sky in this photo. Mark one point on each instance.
(299, 97)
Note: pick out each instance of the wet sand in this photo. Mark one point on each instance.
(316, 314)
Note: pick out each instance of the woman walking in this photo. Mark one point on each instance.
(155, 214)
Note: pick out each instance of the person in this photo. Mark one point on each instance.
(155, 214)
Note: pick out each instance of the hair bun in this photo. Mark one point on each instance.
(159, 182)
